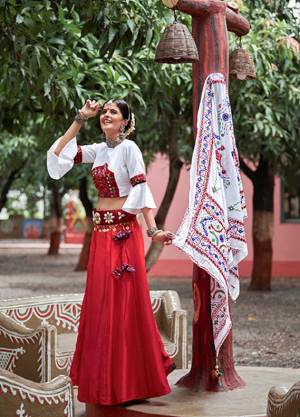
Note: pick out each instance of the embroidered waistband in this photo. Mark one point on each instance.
(105, 220)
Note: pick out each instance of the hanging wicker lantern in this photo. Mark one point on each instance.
(176, 45)
(241, 65)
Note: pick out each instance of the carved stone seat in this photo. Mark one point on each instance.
(22, 397)
(21, 347)
(283, 402)
(51, 322)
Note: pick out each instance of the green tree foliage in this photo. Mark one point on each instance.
(168, 94)
(55, 55)
(167, 128)
(267, 120)
(14, 153)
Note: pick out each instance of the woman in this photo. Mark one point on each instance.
(119, 353)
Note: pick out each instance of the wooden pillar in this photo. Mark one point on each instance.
(210, 34)
(211, 20)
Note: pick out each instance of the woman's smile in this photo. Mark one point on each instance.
(111, 119)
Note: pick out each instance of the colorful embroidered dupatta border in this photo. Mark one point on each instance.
(212, 232)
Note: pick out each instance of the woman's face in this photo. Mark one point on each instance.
(111, 120)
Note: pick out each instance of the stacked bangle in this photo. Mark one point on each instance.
(153, 231)
(80, 118)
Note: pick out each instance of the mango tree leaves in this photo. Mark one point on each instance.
(56, 54)
(265, 111)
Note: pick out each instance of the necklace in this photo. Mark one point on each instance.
(112, 143)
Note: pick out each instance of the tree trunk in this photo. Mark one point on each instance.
(262, 228)
(88, 206)
(55, 239)
(56, 210)
(175, 166)
(7, 183)
(85, 250)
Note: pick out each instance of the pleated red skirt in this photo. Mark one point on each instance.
(119, 353)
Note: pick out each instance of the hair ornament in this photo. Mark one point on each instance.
(132, 126)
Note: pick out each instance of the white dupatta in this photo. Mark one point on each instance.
(212, 232)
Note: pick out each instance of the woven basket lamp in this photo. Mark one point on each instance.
(176, 45)
(241, 65)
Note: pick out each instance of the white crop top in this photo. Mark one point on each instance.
(116, 172)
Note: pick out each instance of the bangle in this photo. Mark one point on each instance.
(151, 231)
(156, 233)
(80, 118)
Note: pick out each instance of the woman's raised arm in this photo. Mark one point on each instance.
(90, 109)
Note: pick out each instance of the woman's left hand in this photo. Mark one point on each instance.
(164, 236)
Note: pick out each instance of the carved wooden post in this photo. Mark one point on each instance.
(211, 19)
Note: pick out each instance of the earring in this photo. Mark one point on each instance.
(122, 132)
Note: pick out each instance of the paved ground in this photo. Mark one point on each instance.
(239, 402)
(266, 325)
(183, 402)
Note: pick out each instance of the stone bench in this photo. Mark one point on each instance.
(283, 402)
(21, 397)
(45, 328)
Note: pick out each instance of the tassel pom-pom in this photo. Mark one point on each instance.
(122, 235)
(118, 272)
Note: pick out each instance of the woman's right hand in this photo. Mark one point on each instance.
(165, 237)
(90, 109)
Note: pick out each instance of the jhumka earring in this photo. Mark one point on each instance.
(122, 132)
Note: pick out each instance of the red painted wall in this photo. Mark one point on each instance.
(173, 262)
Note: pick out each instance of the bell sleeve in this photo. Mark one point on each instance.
(139, 195)
(71, 154)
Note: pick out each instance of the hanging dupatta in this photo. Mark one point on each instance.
(212, 232)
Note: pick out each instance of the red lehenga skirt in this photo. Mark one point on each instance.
(119, 353)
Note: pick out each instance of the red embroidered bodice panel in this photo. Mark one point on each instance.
(105, 181)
